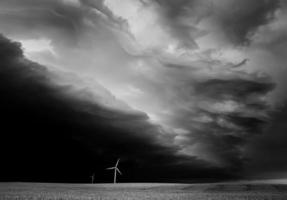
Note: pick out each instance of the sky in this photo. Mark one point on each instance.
(181, 91)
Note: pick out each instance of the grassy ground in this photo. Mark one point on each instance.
(236, 191)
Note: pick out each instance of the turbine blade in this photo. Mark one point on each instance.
(117, 162)
(111, 168)
(119, 171)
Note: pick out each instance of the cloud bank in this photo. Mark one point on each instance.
(194, 80)
(67, 128)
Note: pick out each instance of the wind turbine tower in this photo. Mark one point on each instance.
(93, 178)
(116, 170)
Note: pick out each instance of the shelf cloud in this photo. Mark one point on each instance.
(188, 85)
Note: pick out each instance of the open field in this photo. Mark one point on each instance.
(216, 191)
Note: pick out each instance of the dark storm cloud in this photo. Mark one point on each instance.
(235, 89)
(29, 19)
(238, 20)
(242, 18)
(176, 11)
(205, 110)
(224, 114)
(51, 130)
(62, 21)
(232, 111)
(266, 152)
(181, 18)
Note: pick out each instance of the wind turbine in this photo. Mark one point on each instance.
(93, 177)
(116, 169)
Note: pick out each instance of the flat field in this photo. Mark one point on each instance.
(123, 191)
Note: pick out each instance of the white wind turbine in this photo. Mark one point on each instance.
(116, 169)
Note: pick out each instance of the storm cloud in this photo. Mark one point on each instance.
(53, 125)
(192, 84)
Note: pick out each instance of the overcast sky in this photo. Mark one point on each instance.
(184, 88)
